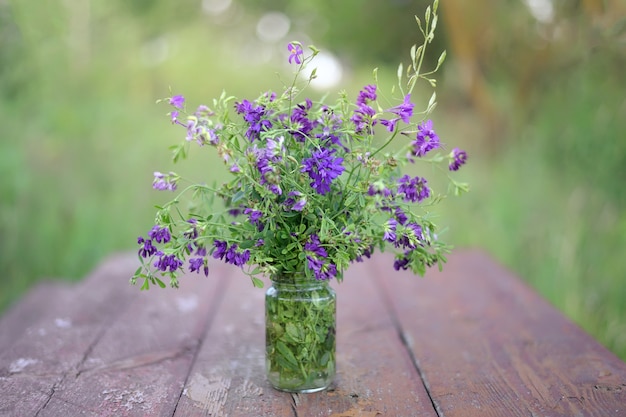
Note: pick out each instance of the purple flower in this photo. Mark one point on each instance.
(275, 148)
(411, 236)
(314, 246)
(401, 216)
(220, 249)
(404, 112)
(401, 262)
(390, 230)
(177, 101)
(323, 168)
(323, 271)
(295, 53)
(458, 157)
(379, 188)
(160, 234)
(147, 249)
(255, 217)
(413, 189)
(266, 161)
(165, 181)
(426, 139)
(235, 257)
(295, 204)
(168, 262)
(316, 255)
(363, 117)
(254, 116)
(195, 264)
(230, 254)
(366, 95)
(366, 252)
(301, 126)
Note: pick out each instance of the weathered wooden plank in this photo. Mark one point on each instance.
(375, 376)
(34, 366)
(228, 375)
(28, 311)
(486, 345)
(139, 366)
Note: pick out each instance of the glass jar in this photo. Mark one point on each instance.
(300, 323)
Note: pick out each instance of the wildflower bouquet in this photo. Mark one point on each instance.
(315, 186)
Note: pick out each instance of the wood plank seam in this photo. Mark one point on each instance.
(216, 302)
(77, 370)
(294, 404)
(406, 343)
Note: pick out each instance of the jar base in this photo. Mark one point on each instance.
(301, 391)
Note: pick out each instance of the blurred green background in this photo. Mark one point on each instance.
(534, 90)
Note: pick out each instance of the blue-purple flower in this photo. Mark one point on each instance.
(316, 257)
(301, 125)
(323, 167)
(379, 188)
(363, 116)
(411, 236)
(315, 246)
(458, 157)
(413, 189)
(401, 262)
(177, 101)
(230, 254)
(404, 112)
(266, 160)
(295, 201)
(197, 264)
(255, 116)
(165, 181)
(255, 217)
(147, 248)
(220, 248)
(295, 53)
(166, 263)
(401, 216)
(390, 230)
(426, 139)
(160, 234)
(367, 94)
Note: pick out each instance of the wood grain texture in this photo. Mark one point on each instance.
(471, 341)
(487, 345)
(35, 304)
(139, 365)
(375, 374)
(55, 346)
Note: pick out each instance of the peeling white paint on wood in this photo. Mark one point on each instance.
(20, 364)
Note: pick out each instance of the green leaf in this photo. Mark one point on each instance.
(246, 244)
(146, 285)
(257, 282)
(239, 195)
(292, 330)
(287, 354)
(161, 283)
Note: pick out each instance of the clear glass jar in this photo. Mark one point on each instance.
(300, 323)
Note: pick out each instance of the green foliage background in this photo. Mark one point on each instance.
(81, 135)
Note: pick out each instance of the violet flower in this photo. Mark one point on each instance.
(295, 53)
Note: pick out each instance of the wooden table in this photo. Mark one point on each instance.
(471, 341)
